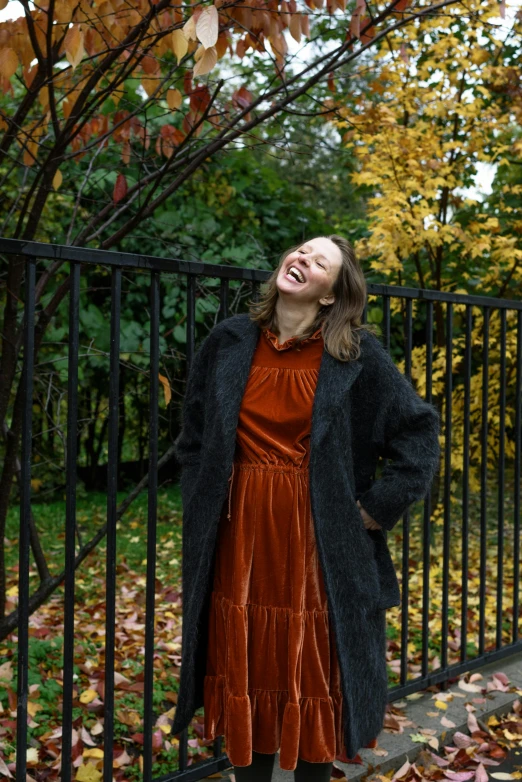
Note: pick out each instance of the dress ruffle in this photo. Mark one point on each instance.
(291, 341)
(264, 720)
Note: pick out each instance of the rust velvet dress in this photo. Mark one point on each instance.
(272, 676)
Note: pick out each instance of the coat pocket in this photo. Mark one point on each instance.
(390, 593)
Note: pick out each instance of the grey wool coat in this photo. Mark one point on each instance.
(363, 409)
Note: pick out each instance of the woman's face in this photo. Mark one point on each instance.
(316, 263)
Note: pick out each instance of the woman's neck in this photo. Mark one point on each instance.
(290, 324)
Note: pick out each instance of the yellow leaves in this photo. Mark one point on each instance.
(179, 44)
(129, 717)
(33, 708)
(73, 45)
(88, 773)
(6, 669)
(205, 60)
(441, 705)
(88, 696)
(8, 62)
(94, 752)
(57, 179)
(202, 27)
(189, 29)
(174, 99)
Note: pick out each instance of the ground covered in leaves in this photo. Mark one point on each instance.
(466, 757)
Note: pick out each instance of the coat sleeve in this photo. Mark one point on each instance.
(405, 431)
(188, 443)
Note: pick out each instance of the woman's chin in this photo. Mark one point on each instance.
(288, 287)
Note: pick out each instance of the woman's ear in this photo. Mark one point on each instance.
(328, 300)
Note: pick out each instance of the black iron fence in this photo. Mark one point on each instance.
(471, 353)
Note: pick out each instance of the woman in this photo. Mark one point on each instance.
(286, 572)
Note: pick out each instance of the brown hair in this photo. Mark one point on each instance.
(341, 321)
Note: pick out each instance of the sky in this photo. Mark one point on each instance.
(485, 172)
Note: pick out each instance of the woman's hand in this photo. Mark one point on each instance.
(369, 523)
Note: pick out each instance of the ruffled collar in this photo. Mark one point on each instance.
(291, 341)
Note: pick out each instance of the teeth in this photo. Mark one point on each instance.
(298, 273)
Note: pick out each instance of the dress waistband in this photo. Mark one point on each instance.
(243, 465)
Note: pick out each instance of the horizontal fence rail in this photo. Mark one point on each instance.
(446, 542)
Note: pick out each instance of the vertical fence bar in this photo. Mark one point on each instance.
(25, 515)
(150, 597)
(112, 487)
(447, 489)
(223, 298)
(483, 482)
(191, 322)
(406, 519)
(516, 486)
(386, 344)
(426, 529)
(70, 520)
(501, 466)
(191, 318)
(465, 487)
(386, 321)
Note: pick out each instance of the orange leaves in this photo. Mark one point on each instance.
(166, 388)
(29, 141)
(8, 62)
(124, 125)
(241, 99)
(358, 22)
(120, 189)
(169, 138)
(73, 45)
(199, 99)
(151, 68)
(295, 27)
(174, 99)
(63, 11)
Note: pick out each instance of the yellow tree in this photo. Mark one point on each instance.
(445, 98)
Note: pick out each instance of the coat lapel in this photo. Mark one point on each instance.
(331, 394)
(233, 368)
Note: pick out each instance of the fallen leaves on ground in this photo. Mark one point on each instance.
(88, 746)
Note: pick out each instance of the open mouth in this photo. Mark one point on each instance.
(295, 275)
